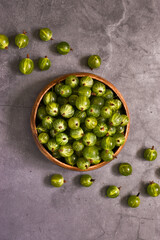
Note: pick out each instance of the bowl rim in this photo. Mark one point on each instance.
(36, 105)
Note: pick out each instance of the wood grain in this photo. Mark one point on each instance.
(34, 113)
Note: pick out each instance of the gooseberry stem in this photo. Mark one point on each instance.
(52, 39)
(152, 148)
(24, 32)
(92, 180)
(6, 47)
(65, 181)
(27, 55)
(46, 57)
(119, 188)
(138, 194)
(151, 182)
(71, 49)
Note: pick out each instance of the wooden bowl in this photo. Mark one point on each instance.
(34, 113)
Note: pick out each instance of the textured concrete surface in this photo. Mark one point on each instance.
(126, 34)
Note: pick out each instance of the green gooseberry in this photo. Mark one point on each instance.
(72, 81)
(90, 152)
(115, 119)
(84, 91)
(150, 154)
(81, 115)
(77, 133)
(111, 131)
(86, 81)
(86, 180)
(108, 94)
(79, 154)
(62, 101)
(57, 87)
(100, 130)
(60, 125)
(153, 189)
(57, 180)
(22, 40)
(41, 112)
(62, 139)
(125, 169)
(95, 161)
(93, 111)
(43, 138)
(112, 191)
(56, 154)
(44, 63)
(99, 89)
(82, 103)
(26, 65)
(63, 48)
(91, 122)
(72, 99)
(134, 201)
(65, 90)
(98, 144)
(112, 103)
(53, 132)
(119, 139)
(52, 145)
(67, 111)
(78, 145)
(125, 120)
(49, 97)
(83, 163)
(107, 155)
(40, 128)
(45, 34)
(71, 160)
(120, 129)
(94, 61)
(74, 123)
(85, 129)
(106, 112)
(4, 41)
(118, 103)
(101, 119)
(52, 109)
(75, 90)
(47, 122)
(108, 143)
(89, 139)
(66, 150)
(98, 101)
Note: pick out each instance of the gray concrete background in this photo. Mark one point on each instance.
(126, 34)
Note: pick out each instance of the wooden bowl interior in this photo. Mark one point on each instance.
(34, 113)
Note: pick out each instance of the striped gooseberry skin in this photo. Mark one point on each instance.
(45, 34)
(26, 65)
(44, 63)
(22, 40)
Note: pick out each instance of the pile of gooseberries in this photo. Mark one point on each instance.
(81, 122)
(26, 65)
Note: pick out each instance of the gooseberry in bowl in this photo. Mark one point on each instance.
(70, 124)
